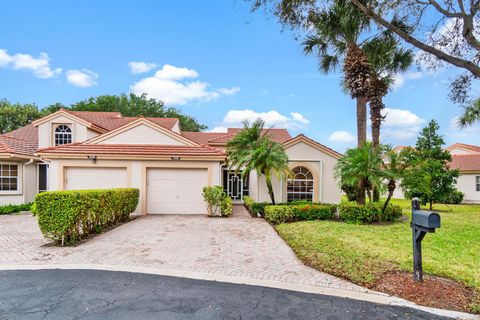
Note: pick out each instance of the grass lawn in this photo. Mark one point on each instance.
(362, 253)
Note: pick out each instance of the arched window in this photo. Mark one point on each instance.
(300, 186)
(63, 135)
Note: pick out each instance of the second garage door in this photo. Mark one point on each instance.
(176, 191)
(95, 178)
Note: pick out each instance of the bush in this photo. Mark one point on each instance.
(213, 196)
(279, 213)
(256, 209)
(248, 203)
(226, 206)
(68, 216)
(371, 212)
(314, 212)
(455, 197)
(15, 208)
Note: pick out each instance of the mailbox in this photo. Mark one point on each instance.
(426, 219)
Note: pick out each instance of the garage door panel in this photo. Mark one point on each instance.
(176, 191)
(77, 178)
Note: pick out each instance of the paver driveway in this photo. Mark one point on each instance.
(238, 246)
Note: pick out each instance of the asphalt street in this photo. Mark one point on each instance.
(90, 294)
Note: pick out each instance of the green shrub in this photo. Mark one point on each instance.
(314, 212)
(371, 212)
(248, 203)
(279, 213)
(226, 206)
(455, 197)
(68, 216)
(213, 196)
(15, 208)
(257, 209)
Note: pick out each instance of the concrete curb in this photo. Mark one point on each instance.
(374, 297)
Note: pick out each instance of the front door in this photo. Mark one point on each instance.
(234, 185)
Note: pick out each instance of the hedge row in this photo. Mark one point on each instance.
(15, 208)
(68, 216)
(351, 213)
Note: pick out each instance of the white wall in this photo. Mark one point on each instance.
(466, 184)
(45, 131)
(30, 185)
(142, 134)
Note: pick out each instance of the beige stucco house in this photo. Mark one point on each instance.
(70, 150)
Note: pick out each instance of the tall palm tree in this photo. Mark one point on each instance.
(386, 59)
(252, 149)
(361, 166)
(338, 29)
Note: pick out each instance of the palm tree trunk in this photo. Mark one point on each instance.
(361, 192)
(268, 181)
(391, 188)
(361, 120)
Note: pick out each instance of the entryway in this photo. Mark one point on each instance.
(234, 185)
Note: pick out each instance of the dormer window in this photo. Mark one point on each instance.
(63, 134)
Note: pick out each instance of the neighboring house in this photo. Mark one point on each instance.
(465, 158)
(92, 150)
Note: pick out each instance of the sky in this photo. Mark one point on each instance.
(213, 59)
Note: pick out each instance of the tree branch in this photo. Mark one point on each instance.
(461, 63)
(444, 11)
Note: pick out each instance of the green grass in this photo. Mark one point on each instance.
(362, 253)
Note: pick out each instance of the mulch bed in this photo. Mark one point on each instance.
(433, 291)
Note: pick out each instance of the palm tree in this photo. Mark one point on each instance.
(252, 149)
(386, 59)
(393, 169)
(337, 37)
(361, 166)
(470, 115)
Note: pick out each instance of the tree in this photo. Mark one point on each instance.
(252, 149)
(471, 114)
(361, 166)
(337, 30)
(14, 116)
(429, 176)
(393, 171)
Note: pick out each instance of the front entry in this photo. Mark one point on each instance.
(234, 185)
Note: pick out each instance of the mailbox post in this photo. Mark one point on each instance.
(422, 222)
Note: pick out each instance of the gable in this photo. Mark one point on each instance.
(304, 151)
(460, 151)
(142, 134)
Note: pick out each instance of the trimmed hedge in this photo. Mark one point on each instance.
(279, 213)
(288, 213)
(68, 216)
(226, 206)
(371, 212)
(15, 208)
(257, 209)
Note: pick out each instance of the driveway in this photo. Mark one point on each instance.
(92, 294)
(238, 246)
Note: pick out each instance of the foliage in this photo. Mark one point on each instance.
(369, 213)
(363, 253)
(15, 208)
(314, 212)
(429, 176)
(455, 197)
(213, 196)
(252, 149)
(350, 191)
(393, 171)
(256, 209)
(277, 214)
(226, 206)
(14, 116)
(69, 216)
(471, 114)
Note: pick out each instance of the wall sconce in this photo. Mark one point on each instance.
(93, 158)
(175, 158)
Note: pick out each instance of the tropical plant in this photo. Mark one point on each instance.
(361, 167)
(471, 114)
(337, 30)
(252, 149)
(393, 169)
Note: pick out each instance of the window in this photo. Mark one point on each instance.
(8, 177)
(300, 186)
(63, 135)
(42, 177)
(478, 183)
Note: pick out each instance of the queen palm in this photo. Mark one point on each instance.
(252, 149)
(336, 38)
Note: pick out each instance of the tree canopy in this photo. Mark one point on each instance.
(13, 116)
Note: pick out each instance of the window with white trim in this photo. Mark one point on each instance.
(478, 183)
(300, 186)
(8, 177)
(63, 135)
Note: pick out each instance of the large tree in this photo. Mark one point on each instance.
(429, 176)
(13, 116)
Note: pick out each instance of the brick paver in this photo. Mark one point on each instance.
(236, 246)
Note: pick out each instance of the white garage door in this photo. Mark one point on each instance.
(95, 178)
(177, 191)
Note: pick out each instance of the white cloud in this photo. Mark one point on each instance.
(342, 137)
(272, 118)
(82, 78)
(40, 66)
(401, 78)
(467, 133)
(141, 67)
(166, 85)
(400, 118)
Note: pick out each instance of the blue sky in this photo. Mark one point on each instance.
(214, 59)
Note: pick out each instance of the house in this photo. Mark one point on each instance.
(70, 150)
(465, 158)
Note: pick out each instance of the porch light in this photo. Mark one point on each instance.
(175, 158)
(93, 158)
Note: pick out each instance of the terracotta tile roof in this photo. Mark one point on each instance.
(16, 145)
(28, 133)
(277, 135)
(113, 120)
(133, 149)
(202, 137)
(464, 146)
(466, 162)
